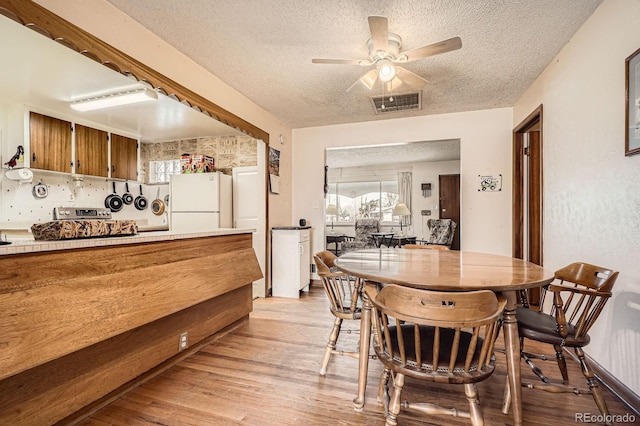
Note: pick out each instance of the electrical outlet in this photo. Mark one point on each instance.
(184, 341)
(72, 196)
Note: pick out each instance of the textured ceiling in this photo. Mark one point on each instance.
(264, 49)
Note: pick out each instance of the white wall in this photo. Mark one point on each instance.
(485, 148)
(591, 192)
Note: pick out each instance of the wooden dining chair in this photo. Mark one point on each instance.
(343, 293)
(578, 295)
(425, 246)
(444, 337)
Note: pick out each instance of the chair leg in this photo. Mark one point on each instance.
(383, 389)
(331, 346)
(506, 397)
(471, 393)
(562, 364)
(394, 404)
(593, 383)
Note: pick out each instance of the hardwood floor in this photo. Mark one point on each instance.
(265, 372)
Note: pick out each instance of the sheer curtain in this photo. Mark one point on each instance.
(404, 191)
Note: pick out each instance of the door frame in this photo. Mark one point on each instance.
(535, 204)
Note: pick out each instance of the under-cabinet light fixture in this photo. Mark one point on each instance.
(114, 99)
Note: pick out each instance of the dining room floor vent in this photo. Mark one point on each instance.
(397, 102)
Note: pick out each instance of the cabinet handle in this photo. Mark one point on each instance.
(77, 164)
(33, 157)
(113, 169)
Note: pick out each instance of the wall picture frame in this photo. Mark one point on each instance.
(490, 183)
(632, 104)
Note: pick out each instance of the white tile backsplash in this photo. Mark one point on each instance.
(18, 205)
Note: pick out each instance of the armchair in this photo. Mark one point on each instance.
(441, 231)
(363, 238)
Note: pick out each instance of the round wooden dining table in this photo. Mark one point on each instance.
(447, 270)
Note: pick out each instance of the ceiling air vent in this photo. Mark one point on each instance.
(400, 102)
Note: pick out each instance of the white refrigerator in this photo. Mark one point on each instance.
(200, 202)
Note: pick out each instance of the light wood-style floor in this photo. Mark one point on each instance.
(265, 372)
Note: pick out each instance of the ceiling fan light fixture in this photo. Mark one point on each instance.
(386, 70)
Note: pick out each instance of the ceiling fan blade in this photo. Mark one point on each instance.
(340, 61)
(394, 84)
(367, 80)
(410, 79)
(444, 46)
(379, 26)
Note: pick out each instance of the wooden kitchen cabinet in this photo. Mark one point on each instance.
(92, 151)
(124, 157)
(49, 143)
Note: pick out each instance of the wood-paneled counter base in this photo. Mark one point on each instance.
(77, 324)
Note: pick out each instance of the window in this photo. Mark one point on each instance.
(159, 171)
(357, 200)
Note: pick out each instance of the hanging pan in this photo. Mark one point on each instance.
(157, 205)
(113, 201)
(40, 190)
(141, 201)
(127, 198)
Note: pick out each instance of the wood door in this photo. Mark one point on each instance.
(527, 193)
(92, 151)
(49, 143)
(124, 157)
(450, 203)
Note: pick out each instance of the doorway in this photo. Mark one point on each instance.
(527, 190)
(450, 203)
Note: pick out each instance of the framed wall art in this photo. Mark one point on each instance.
(632, 106)
(490, 183)
(274, 170)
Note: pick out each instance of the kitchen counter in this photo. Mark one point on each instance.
(29, 245)
(84, 320)
(289, 228)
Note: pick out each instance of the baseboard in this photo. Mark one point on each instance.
(619, 389)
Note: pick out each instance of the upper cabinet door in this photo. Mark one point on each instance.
(92, 151)
(49, 143)
(124, 157)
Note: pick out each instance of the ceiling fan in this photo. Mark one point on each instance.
(384, 53)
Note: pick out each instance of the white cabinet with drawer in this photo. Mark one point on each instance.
(290, 261)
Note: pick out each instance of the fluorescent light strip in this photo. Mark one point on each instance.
(114, 99)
